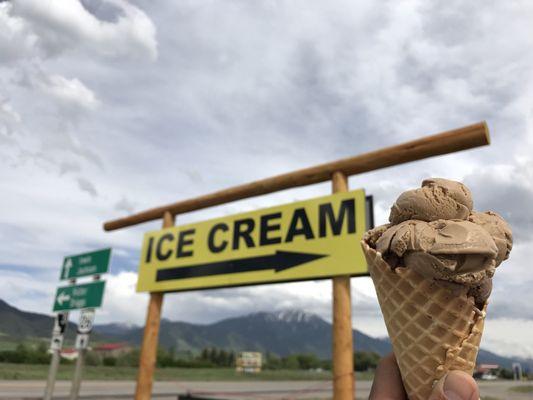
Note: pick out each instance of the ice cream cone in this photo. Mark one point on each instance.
(432, 329)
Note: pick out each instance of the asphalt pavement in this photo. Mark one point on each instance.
(259, 390)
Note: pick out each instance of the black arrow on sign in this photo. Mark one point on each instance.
(279, 261)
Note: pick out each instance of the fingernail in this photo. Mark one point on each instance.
(456, 388)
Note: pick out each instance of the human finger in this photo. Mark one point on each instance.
(456, 385)
(387, 383)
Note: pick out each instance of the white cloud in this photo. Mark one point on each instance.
(27, 290)
(121, 302)
(497, 336)
(70, 91)
(46, 134)
(9, 119)
(93, 102)
(67, 26)
(125, 205)
(68, 94)
(16, 39)
(87, 186)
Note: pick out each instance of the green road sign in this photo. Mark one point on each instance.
(88, 295)
(93, 263)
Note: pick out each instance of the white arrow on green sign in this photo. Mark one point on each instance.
(86, 264)
(87, 295)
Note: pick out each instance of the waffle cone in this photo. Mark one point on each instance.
(432, 329)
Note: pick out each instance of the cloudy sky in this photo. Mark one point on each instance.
(111, 107)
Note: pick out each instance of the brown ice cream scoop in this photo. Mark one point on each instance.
(434, 232)
(481, 292)
(437, 199)
(451, 250)
(498, 229)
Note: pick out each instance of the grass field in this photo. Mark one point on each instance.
(7, 343)
(38, 372)
(522, 389)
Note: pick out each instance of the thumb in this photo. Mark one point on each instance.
(456, 385)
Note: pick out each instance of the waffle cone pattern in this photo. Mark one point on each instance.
(432, 330)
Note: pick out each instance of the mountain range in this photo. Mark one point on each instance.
(280, 332)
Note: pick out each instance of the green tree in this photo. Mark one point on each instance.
(109, 361)
(291, 362)
(23, 353)
(212, 355)
(215, 356)
(325, 364)
(308, 361)
(129, 359)
(92, 358)
(42, 348)
(164, 359)
(223, 358)
(504, 373)
(272, 361)
(172, 352)
(363, 360)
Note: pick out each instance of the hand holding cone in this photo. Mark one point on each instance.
(433, 277)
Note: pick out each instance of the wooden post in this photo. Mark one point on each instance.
(148, 356)
(343, 377)
(443, 143)
(338, 171)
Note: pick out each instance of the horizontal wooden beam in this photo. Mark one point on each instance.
(442, 143)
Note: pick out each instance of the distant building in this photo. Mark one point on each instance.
(486, 371)
(112, 349)
(69, 354)
(249, 361)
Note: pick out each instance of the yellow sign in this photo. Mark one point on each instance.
(310, 239)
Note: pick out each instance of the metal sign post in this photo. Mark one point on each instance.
(84, 297)
(60, 325)
(85, 327)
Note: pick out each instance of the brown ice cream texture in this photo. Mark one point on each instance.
(434, 231)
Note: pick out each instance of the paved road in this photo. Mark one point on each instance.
(287, 390)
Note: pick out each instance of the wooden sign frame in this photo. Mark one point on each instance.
(338, 172)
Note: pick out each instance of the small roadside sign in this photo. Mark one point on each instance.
(86, 264)
(76, 297)
(82, 341)
(57, 342)
(60, 323)
(85, 325)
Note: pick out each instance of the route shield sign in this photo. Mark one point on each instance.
(85, 324)
(86, 264)
(75, 297)
(312, 239)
